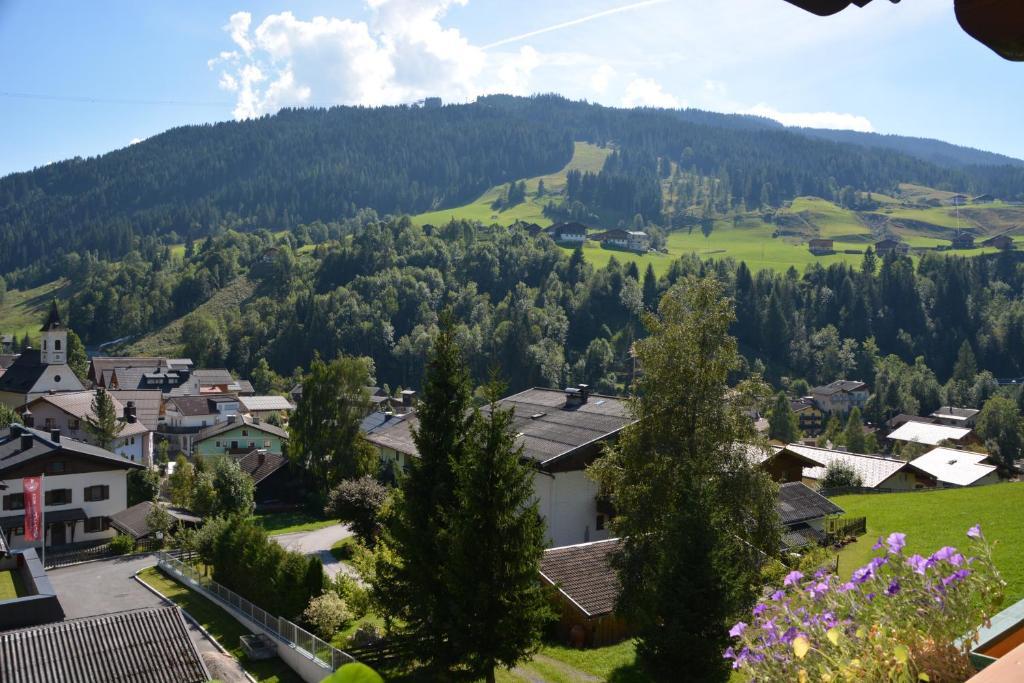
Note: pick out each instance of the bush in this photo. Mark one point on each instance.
(122, 544)
(358, 502)
(840, 474)
(898, 618)
(355, 596)
(326, 613)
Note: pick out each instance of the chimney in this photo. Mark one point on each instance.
(256, 420)
(584, 391)
(129, 413)
(15, 430)
(55, 435)
(262, 458)
(26, 441)
(408, 398)
(572, 397)
(28, 419)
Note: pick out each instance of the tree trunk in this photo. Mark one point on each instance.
(490, 674)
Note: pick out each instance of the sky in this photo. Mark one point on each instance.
(80, 79)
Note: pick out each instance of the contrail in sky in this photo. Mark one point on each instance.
(574, 22)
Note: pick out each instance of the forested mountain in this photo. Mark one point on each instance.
(301, 166)
(935, 151)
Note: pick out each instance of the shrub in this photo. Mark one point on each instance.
(122, 544)
(358, 502)
(898, 618)
(840, 474)
(355, 596)
(326, 613)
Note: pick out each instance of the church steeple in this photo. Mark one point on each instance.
(55, 339)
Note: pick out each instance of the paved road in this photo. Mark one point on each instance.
(106, 586)
(319, 542)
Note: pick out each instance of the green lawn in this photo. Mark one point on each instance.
(221, 625)
(936, 518)
(24, 310)
(610, 663)
(287, 522)
(831, 220)
(11, 585)
(586, 157)
(345, 548)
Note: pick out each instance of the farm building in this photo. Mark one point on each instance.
(821, 247)
(633, 240)
(963, 240)
(999, 242)
(875, 471)
(889, 246)
(568, 232)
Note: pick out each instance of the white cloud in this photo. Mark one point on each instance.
(515, 72)
(238, 27)
(817, 119)
(647, 92)
(600, 79)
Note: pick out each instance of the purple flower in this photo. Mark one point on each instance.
(958, 575)
(974, 531)
(818, 589)
(729, 653)
(943, 554)
(878, 544)
(792, 578)
(918, 564)
(778, 595)
(896, 541)
(894, 588)
(847, 587)
(737, 630)
(790, 635)
(759, 609)
(865, 573)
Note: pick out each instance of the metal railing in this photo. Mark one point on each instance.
(290, 633)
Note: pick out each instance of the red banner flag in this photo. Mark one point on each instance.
(31, 489)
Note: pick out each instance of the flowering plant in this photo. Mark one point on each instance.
(898, 618)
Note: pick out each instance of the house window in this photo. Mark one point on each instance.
(95, 493)
(56, 378)
(245, 432)
(217, 443)
(599, 525)
(74, 424)
(44, 344)
(56, 344)
(94, 525)
(133, 440)
(18, 531)
(58, 497)
(14, 501)
(252, 444)
(266, 443)
(56, 467)
(50, 423)
(204, 423)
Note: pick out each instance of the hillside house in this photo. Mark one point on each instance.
(954, 468)
(143, 373)
(963, 240)
(890, 246)
(69, 414)
(931, 434)
(1004, 242)
(238, 435)
(84, 486)
(955, 417)
(265, 407)
(561, 433)
(198, 412)
(569, 233)
(632, 240)
(802, 511)
(132, 521)
(782, 465)
(38, 372)
(840, 397)
(277, 482)
(982, 199)
(875, 471)
(821, 247)
(809, 415)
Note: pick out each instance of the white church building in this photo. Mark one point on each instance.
(38, 372)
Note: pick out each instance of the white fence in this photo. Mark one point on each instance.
(292, 635)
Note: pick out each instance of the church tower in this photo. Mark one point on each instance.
(54, 349)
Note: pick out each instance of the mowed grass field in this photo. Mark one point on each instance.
(24, 310)
(933, 519)
(832, 221)
(586, 157)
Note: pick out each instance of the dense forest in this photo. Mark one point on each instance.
(302, 166)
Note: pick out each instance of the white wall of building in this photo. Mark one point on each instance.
(118, 501)
(568, 503)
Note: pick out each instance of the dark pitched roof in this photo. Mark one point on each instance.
(212, 376)
(193, 405)
(147, 404)
(23, 373)
(53, 319)
(139, 646)
(241, 421)
(100, 364)
(132, 521)
(838, 386)
(583, 574)
(547, 427)
(259, 464)
(798, 503)
(11, 453)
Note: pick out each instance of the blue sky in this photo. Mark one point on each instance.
(152, 65)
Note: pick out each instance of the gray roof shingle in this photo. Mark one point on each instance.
(798, 503)
(139, 646)
(11, 453)
(584, 575)
(241, 421)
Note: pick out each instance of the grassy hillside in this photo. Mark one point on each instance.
(586, 157)
(24, 310)
(167, 340)
(937, 518)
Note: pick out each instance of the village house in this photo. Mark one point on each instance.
(632, 240)
(132, 373)
(875, 471)
(238, 435)
(198, 412)
(69, 414)
(809, 416)
(38, 372)
(84, 485)
(278, 483)
(802, 511)
(955, 417)
(561, 433)
(265, 407)
(840, 397)
(952, 467)
(821, 247)
(891, 246)
(963, 240)
(1004, 242)
(133, 521)
(782, 465)
(568, 232)
(932, 434)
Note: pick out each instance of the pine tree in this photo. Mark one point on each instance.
(853, 435)
(650, 289)
(102, 424)
(409, 581)
(783, 423)
(694, 512)
(496, 542)
(966, 365)
(78, 360)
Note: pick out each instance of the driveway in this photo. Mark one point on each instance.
(319, 542)
(106, 586)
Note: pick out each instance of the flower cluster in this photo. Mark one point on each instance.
(898, 617)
